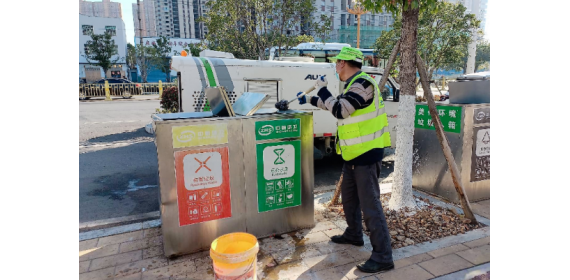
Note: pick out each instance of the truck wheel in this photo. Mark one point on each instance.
(127, 95)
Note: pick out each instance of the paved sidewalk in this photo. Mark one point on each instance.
(305, 254)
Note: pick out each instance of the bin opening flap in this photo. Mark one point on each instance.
(249, 102)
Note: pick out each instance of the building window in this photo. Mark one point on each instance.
(87, 29)
(111, 29)
(85, 49)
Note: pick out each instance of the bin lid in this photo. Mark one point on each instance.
(178, 116)
(219, 102)
(249, 102)
(475, 76)
(266, 111)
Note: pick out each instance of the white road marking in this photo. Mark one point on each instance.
(112, 122)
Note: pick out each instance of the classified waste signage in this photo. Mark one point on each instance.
(450, 117)
(202, 173)
(278, 164)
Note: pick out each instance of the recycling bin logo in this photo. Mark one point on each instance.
(279, 159)
(278, 162)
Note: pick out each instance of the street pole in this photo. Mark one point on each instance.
(357, 10)
(358, 34)
(472, 48)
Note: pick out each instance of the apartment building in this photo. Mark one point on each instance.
(106, 9)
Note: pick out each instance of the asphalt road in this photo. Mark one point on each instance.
(117, 159)
(118, 162)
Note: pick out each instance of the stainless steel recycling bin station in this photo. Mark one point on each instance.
(219, 175)
(468, 131)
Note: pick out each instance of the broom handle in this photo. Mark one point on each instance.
(304, 93)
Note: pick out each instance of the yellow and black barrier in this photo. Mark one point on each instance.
(121, 90)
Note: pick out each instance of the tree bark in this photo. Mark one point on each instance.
(402, 195)
(388, 67)
(455, 175)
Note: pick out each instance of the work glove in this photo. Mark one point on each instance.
(321, 82)
(302, 100)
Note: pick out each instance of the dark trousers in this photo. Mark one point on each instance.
(360, 190)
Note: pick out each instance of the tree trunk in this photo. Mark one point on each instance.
(455, 175)
(402, 195)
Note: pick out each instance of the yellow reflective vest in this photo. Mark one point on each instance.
(365, 129)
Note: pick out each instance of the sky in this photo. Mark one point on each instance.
(488, 27)
(129, 25)
(127, 7)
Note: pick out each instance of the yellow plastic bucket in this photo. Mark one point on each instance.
(235, 256)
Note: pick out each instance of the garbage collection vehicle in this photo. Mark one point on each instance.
(280, 80)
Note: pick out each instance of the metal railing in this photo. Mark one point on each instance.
(124, 90)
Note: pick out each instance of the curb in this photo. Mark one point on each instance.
(466, 274)
(145, 98)
(119, 229)
(98, 224)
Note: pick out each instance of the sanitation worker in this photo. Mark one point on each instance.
(362, 135)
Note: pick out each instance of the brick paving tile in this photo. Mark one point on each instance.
(331, 247)
(84, 266)
(271, 244)
(140, 244)
(136, 276)
(152, 232)
(313, 238)
(288, 271)
(99, 252)
(349, 271)
(448, 250)
(192, 256)
(120, 238)
(203, 263)
(477, 255)
(106, 273)
(327, 274)
(412, 260)
(171, 272)
(322, 226)
(115, 260)
(201, 275)
(478, 242)
(445, 264)
(328, 261)
(359, 253)
(296, 254)
(88, 244)
(140, 266)
(153, 252)
(307, 276)
(333, 232)
(412, 272)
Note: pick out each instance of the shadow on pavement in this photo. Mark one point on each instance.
(116, 182)
(127, 135)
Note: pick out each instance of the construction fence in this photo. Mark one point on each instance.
(87, 91)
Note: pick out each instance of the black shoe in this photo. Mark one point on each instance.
(341, 240)
(371, 266)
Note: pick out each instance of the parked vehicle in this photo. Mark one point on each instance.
(114, 81)
(280, 80)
